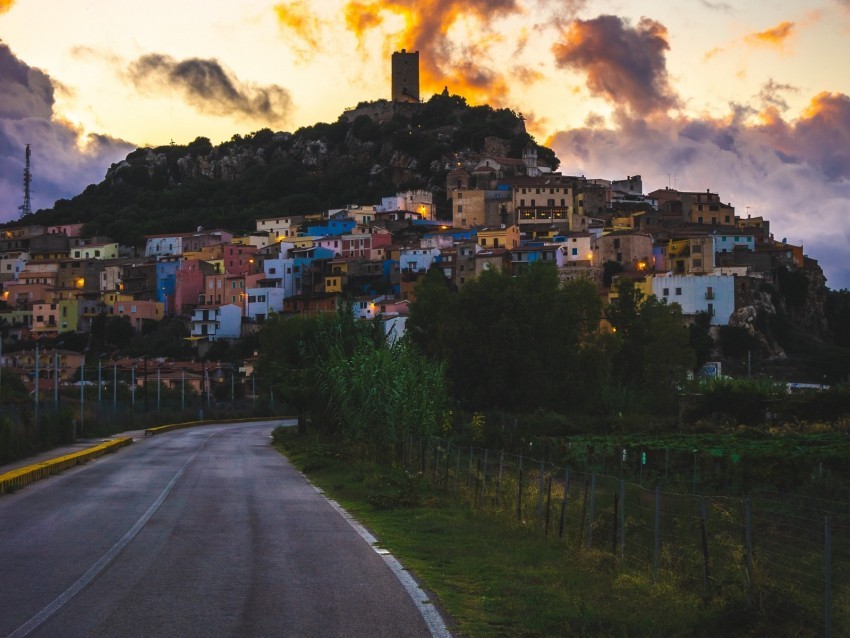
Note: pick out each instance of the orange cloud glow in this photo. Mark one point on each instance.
(5, 5)
(772, 37)
(426, 25)
(296, 18)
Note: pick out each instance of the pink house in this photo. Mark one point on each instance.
(189, 284)
(138, 311)
(239, 259)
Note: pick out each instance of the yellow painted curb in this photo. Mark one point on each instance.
(21, 477)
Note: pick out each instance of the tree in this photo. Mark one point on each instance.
(654, 354)
(700, 338)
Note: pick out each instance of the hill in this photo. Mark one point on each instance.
(373, 151)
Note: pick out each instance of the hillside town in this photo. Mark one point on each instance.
(685, 247)
(688, 248)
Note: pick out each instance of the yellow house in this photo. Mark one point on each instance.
(95, 251)
(642, 284)
(502, 237)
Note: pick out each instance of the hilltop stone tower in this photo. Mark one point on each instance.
(405, 76)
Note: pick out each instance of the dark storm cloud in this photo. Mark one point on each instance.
(625, 65)
(27, 92)
(64, 160)
(211, 88)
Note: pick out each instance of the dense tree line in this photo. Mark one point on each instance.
(530, 342)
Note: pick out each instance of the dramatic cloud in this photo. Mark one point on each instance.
(796, 173)
(625, 65)
(771, 94)
(426, 28)
(297, 20)
(774, 37)
(211, 89)
(64, 159)
(5, 5)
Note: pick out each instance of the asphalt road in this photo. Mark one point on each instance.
(200, 532)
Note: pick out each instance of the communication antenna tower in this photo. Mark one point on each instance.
(26, 208)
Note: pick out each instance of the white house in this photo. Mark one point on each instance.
(217, 322)
(714, 294)
(726, 242)
(158, 245)
(417, 259)
(574, 247)
(283, 271)
(263, 301)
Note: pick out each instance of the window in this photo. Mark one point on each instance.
(696, 248)
(665, 292)
(678, 291)
(574, 251)
(459, 208)
(711, 309)
(697, 263)
(133, 309)
(97, 253)
(616, 243)
(77, 254)
(272, 271)
(459, 195)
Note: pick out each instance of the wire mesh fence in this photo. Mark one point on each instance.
(767, 553)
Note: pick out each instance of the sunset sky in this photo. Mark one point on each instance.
(750, 100)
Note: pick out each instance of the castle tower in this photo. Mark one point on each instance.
(405, 76)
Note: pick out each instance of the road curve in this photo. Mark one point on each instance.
(200, 532)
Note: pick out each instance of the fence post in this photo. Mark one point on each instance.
(435, 468)
(748, 550)
(827, 578)
(563, 521)
(477, 483)
(448, 458)
(519, 493)
(703, 515)
(656, 549)
(592, 510)
(548, 505)
(484, 475)
(622, 515)
(583, 512)
(540, 494)
(499, 479)
(614, 523)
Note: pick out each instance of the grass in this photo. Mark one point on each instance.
(496, 578)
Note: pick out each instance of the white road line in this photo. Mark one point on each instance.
(429, 611)
(65, 597)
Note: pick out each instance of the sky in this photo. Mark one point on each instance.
(748, 100)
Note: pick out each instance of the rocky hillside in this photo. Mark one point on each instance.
(373, 151)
